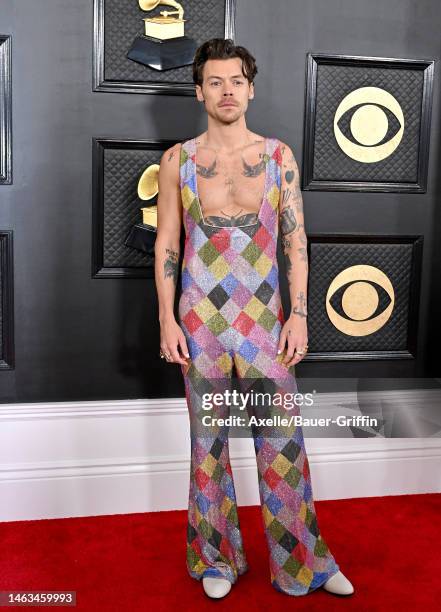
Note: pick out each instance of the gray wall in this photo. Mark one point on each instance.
(78, 338)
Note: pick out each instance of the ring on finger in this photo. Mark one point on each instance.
(164, 355)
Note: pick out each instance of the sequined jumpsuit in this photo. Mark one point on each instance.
(231, 314)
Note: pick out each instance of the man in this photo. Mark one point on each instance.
(234, 190)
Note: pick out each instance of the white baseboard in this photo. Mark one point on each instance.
(114, 457)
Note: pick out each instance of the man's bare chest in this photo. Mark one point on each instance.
(231, 186)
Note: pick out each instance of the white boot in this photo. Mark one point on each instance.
(216, 587)
(339, 585)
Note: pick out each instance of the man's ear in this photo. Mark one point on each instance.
(199, 93)
(251, 94)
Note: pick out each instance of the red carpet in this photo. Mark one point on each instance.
(389, 547)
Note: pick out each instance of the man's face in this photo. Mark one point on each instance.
(224, 89)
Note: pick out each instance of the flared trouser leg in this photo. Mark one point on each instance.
(299, 558)
(214, 540)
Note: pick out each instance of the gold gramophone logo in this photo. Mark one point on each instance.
(163, 26)
(358, 297)
(367, 137)
(142, 236)
(148, 188)
(164, 44)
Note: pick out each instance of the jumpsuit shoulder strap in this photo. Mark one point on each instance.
(276, 154)
(185, 162)
(277, 150)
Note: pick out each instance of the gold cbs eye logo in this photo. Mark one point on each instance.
(358, 290)
(376, 113)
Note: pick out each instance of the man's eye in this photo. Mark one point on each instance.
(238, 82)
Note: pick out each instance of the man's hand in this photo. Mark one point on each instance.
(295, 332)
(172, 339)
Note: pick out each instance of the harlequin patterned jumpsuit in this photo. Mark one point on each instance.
(231, 315)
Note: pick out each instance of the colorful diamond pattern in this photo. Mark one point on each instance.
(231, 314)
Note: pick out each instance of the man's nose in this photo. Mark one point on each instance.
(227, 90)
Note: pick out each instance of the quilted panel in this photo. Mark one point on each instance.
(123, 22)
(329, 259)
(122, 169)
(333, 84)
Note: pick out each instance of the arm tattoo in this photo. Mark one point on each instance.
(170, 157)
(303, 239)
(288, 222)
(286, 194)
(288, 266)
(301, 308)
(303, 253)
(302, 235)
(171, 265)
(289, 175)
(207, 171)
(298, 202)
(294, 240)
(286, 244)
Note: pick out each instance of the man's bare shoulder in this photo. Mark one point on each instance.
(170, 160)
(285, 149)
(171, 154)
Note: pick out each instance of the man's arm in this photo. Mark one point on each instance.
(294, 244)
(167, 251)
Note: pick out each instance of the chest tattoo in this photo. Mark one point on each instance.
(253, 170)
(207, 171)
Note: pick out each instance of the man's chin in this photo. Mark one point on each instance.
(229, 117)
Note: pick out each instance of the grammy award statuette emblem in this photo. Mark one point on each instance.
(163, 45)
(142, 235)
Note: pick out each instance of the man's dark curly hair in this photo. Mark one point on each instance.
(223, 48)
